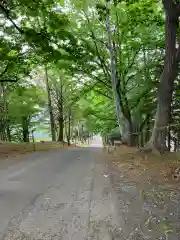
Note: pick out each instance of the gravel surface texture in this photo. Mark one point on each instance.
(78, 194)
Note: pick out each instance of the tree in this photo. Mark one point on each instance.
(132, 50)
(64, 94)
(84, 58)
(169, 74)
(25, 103)
(52, 121)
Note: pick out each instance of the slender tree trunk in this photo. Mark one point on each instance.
(172, 58)
(8, 131)
(61, 127)
(133, 134)
(142, 138)
(175, 145)
(147, 133)
(6, 117)
(169, 138)
(25, 128)
(61, 115)
(178, 141)
(65, 131)
(2, 113)
(122, 121)
(78, 132)
(69, 127)
(52, 121)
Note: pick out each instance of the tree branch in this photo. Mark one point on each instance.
(8, 80)
(103, 94)
(144, 121)
(132, 63)
(99, 40)
(6, 13)
(103, 65)
(129, 78)
(5, 70)
(101, 81)
(139, 98)
(21, 31)
(100, 117)
(82, 93)
(98, 79)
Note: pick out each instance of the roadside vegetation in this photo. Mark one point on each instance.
(15, 150)
(77, 68)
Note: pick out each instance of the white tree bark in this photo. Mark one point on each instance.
(123, 124)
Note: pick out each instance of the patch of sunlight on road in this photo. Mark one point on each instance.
(97, 142)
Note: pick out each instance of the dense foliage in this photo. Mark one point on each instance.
(82, 67)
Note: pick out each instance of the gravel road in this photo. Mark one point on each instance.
(60, 194)
(77, 194)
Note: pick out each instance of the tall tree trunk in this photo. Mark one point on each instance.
(147, 131)
(142, 138)
(78, 132)
(6, 117)
(61, 115)
(61, 127)
(8, 131)
(25, 128)
(69, 127)
(52, 121)
(133, 133)
(65, 130)
(165, 90)
(175, 145)
(2, 113)
(122, 121)
(5, 129)
(178, 141)
(169, 139)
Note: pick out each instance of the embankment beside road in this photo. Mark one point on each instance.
(13, 149)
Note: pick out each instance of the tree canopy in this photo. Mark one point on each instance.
(83, 67)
